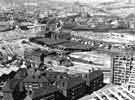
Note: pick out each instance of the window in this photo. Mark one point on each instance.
(41, 85)
(30, 92)
(35, 85)
(30, 86)
(86, 76)
(63, 84)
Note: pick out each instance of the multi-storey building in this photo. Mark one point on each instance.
(94, 80)
(13, 90)
(121, 68)
(7, 92)
(35, 81)
(33, 55)
(36, 55)
(131, 82)
(71, 87)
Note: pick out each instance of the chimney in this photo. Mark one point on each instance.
(59, 77)
(64, 84)
(39, 76)
(90, 71)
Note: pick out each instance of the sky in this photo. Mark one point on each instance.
(97, 1)
(82, 1)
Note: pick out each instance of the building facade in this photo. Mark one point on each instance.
(94, 80)
(34, 82)
(71, 88)
(39, 88)
(122, 65)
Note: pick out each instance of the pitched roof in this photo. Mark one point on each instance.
(35, 78)
(44, 91)
(47, 41)
(21, 74)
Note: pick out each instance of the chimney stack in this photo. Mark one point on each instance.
(90, 71)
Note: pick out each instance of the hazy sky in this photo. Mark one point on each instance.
(87, 0)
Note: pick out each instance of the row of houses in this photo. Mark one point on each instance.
(51, 85)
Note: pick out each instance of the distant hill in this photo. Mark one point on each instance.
(121, 9)
(41, 3)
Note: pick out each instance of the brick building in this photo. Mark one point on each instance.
(39, 88)
(94, 80)
(35, 55)
(35, 81)
(7, 92)
(53, 76)
(13, 90)
(71, 87)
(47, 93)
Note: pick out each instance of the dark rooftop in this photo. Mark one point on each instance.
(47, 41)
(39, 52)
(35, 78)
(21, 73)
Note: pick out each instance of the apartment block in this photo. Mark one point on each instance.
(122, 65)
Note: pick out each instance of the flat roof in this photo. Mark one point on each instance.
(48, 41)
(74, 45)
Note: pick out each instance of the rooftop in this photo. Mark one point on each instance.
(47, 41)
(21, 73)
(35, 78)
